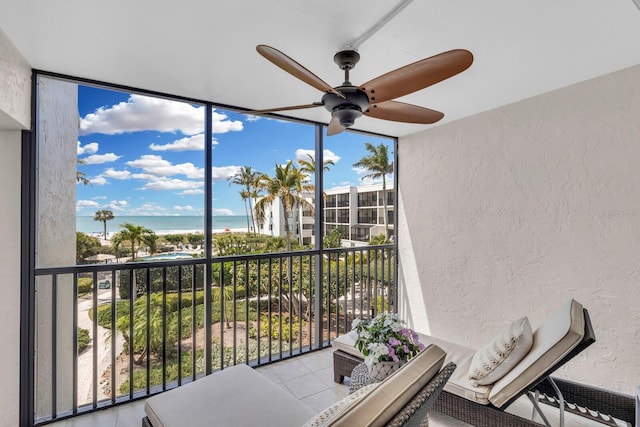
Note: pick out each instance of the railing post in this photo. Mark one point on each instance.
(319, 235)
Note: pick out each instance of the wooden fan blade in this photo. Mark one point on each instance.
(293, 107)
(401, 112)
(295, 69)
(418, 75)
(334, 127)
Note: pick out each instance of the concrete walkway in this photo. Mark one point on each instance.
(103, 347)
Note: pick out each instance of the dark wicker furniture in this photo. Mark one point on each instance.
(601, 403)
(343, 364)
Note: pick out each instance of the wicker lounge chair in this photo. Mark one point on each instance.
(485, 407)
(239, 396)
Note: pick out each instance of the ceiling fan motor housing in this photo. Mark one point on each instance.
(348, 109)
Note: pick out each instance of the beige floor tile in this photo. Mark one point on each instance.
(322, 400)
(289, 370)
(317, 361)
(305, 385)
(130, 415)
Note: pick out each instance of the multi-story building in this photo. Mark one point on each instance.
(358, 212)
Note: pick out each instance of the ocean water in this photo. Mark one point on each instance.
(162, 224)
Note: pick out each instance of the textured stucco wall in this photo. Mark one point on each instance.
(56, 230)
(15, 114)
(10, 147)
(516, 210)
(15, 87)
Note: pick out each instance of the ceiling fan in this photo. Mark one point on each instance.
(347, 102)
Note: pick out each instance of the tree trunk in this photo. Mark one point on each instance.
(384, 207)
(286, 226)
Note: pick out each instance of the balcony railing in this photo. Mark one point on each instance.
(166, 323)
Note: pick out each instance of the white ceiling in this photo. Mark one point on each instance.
(205, 49)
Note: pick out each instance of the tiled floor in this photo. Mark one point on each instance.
(310, 379)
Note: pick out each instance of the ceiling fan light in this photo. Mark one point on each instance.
(346, 116)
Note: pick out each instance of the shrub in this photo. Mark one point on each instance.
(83, 339)
(85, 285)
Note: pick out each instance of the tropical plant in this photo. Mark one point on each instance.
(286, 185)
(248, 179)
(134, 235)
(309, 165)
(103, 216)
(380, 239)
(86, 246)
(332, 239)
(379, 166)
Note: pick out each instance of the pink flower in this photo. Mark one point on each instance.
(392, 354)
(394, 341)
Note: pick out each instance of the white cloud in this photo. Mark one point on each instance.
(112, 173)
(187, 208)
(302, 154)
(158, 167)
(361, 170)
(223, 212)
(90, 148)
(98, 180)
(192, 192)
(117, 205)
(190, 143)
(224, 172)
(222, 125)
(98, 159)
(86, 204)
(163, 184)
(252, 117)
(149, 209)
(141, 113)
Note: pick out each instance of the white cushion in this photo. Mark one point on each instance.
(494, 360)
(235, 396)
(459, 383)
(347, 343)
(560, 333)
(381, 404)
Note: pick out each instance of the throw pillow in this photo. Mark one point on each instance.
(494, 360)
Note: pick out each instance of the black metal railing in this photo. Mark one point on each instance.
(160, 325)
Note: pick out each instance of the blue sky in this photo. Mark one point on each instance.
(145, 155)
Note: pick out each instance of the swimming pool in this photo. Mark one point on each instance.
(166, 256)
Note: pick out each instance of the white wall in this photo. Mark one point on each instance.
(55, 239)
(15, 114)
(15, 87)
(10, 147)
(516, 210)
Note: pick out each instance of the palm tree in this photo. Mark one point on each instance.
(248, 179)
(377, 163)
(135, 235)
(286, 185)
(81, 176)
(104, 215)
(309, 166)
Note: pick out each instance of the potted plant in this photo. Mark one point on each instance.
(386, 343)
